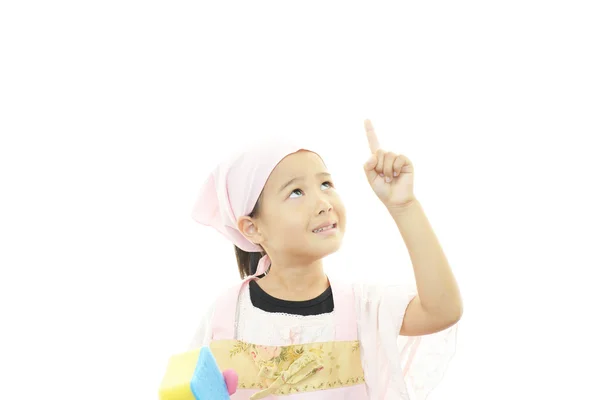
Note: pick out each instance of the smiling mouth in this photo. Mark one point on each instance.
(326, 228)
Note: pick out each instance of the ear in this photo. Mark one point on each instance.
(247, 226)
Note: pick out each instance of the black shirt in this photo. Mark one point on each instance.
(321, 304)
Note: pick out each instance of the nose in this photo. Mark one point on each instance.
(325, 206)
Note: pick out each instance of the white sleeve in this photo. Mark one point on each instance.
(203, 332)
(382, 307)
(399, 364)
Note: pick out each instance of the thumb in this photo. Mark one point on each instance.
(370, 168)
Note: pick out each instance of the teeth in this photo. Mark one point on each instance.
(324, 228)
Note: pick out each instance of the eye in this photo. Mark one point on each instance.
(326, 182)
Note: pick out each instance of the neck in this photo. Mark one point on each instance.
(295, 282)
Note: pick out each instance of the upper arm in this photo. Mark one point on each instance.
(417, 321)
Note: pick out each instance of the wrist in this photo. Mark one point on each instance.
(401, 208)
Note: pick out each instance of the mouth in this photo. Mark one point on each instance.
(326, 228)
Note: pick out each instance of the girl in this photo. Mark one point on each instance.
(288, 330)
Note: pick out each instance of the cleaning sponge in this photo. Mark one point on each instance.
(195, 375)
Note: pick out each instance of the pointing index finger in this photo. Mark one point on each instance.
(371, 136)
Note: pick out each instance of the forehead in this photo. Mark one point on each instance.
(301, 164)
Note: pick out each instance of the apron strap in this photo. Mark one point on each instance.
(344, 308)
(224, 317)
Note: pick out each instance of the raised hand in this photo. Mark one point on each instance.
(391, 175)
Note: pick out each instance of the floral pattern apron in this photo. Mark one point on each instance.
(321, 370)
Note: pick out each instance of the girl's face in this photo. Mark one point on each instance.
(299, 196)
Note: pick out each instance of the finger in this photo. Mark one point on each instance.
(371, 163)
(399, 163)
(231, 380)
(388, 166)
(371, 136)
(380, 161)
(370, 168)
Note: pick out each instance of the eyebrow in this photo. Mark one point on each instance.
(301, 179)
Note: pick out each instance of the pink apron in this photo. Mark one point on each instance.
(322, 370)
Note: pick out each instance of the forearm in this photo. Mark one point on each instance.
(438, 291)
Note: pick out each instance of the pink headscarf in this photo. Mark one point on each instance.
(232, 189)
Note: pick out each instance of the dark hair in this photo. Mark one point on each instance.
(248, 262)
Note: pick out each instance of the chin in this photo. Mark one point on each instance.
(333, 245)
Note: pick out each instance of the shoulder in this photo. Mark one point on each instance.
(224, 298)
(381, 307)
(201, 335)
(383, 293)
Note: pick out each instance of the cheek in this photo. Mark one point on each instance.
(292, 235)
(283, 228)
(295, 228)
(341, 213)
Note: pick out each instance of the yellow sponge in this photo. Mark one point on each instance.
(195, 375)
(176, 381)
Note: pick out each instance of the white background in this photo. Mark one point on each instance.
(113, 113)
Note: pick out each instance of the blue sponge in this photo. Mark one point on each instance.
(208, 382)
